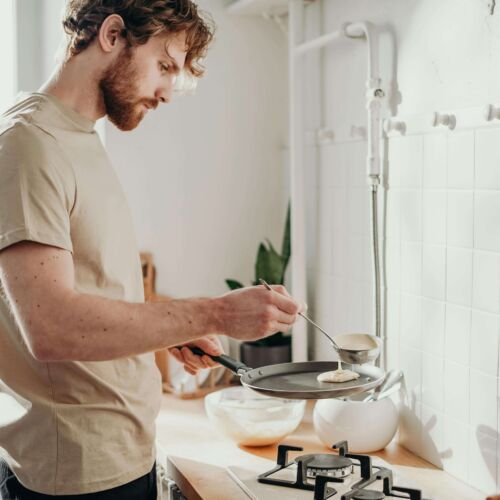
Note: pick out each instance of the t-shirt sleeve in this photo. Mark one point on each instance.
(37, 189)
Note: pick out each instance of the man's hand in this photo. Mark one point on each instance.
(254, 312)
(192, 363)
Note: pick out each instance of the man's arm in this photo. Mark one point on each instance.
(60, 324)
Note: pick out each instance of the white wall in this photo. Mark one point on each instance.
(205, 175)
(442, 233)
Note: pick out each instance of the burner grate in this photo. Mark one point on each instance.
(326, 468)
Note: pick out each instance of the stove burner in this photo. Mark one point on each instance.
(326, 464)
(314, 472)
(368, 495)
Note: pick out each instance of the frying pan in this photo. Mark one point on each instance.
(299, 380)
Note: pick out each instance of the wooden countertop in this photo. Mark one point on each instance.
(198, 456)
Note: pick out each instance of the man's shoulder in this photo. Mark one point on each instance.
(20, 133)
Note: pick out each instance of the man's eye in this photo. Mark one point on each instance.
(163, 67)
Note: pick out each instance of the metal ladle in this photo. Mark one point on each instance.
(352, 356)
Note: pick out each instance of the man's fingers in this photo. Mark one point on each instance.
(190, 370)
(285, 303)
(283, 317)
(280, 289)
(209, 361)
(282, 327)
(209, 345)
(301, 306)
(174, 351)
(192, 359)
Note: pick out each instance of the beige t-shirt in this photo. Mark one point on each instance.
(89, 425)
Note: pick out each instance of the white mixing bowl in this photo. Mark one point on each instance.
(366, 426)
(252, 419)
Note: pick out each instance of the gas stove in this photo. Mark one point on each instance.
(318, 476)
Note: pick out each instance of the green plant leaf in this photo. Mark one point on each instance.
(233, 284)
(269, 265)
(286, 245)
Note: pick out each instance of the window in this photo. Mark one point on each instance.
(7, 53)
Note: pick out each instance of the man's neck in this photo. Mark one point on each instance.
(76, 85)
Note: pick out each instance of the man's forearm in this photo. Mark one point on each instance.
(61, 324)
(88, 328)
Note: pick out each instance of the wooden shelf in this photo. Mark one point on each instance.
(257, 7)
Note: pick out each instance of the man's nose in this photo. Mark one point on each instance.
(165, 91)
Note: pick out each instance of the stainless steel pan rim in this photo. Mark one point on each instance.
(299, 380)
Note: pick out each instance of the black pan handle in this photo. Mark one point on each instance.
(235, 366)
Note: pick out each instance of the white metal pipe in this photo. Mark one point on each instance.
(374, 94)
(319, 42)
(367, 31)
(297, 179)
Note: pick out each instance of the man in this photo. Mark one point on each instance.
(76, 338)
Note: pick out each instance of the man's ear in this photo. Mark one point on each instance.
(109, 36)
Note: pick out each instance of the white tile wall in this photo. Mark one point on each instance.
(441, 242)
(457, 308)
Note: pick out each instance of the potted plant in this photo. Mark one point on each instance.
(271, 267)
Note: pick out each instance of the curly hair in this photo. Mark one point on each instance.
(143, 19)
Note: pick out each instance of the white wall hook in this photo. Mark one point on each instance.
(325, 135)
(491, 113)
(447, 120)
(394, 126)
(358, 131)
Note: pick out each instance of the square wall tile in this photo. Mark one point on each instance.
(461, 160)
(339, 257)
(457, 333)
(357, 270)
(459, 276)
(332, 166)
(339, 208)
(456, 445)
(355, 161)
(434, 216)
(486, 281)
(460, 218)
(411, 320)
(482, 461)
(456, 391)
(484, 342)
(433, 381)
(409, 158)
(393, 358)
(393, 308)
(393, 221)
(483, 402)
(411, 267)
(487, 173)
(393, 263)
(338, 303)
(433, 321)
(434, 271)
(486, 220)
(358, 211)
(411, 215)
(411, 365)
(435, 160)
(325, 230)
(324, 303)
(432, 435)
(395, 159)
